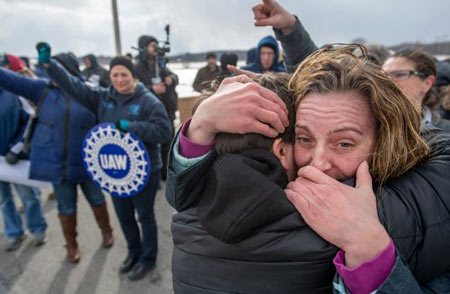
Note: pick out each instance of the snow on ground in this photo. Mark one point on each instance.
(186, 74)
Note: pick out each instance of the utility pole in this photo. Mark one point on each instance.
(116, 27)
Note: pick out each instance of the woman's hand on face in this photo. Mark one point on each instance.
(342, 215)
(238, 106)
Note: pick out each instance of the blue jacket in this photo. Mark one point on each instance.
(62, 125)
(256, 65)
(13, 120)
(146, 115)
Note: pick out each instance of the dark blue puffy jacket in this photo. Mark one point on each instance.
(256, 65)
(62, 125)
(13, 120)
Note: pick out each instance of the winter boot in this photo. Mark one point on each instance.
(69, 224)
(102, 218)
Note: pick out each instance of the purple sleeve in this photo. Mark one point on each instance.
(190, 149)
(368, 276)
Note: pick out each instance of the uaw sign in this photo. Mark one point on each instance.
(117, 162)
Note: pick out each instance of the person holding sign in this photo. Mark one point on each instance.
(132, 108)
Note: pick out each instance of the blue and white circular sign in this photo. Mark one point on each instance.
(117, 162)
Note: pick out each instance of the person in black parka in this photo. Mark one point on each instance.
(152, 71)
(244, 221)
(94, 72)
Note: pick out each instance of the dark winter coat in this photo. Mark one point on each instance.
(256, 66)
(444, 113)
(443, 74)
(251, 54)
(147, 72)
(245, 224)
(440, 122)
(204, 78)
(414, 208)
(62, 125)
(40, 71)
(146, 114)
(433, 118)
(296, 46)
(96, 73)
(226, 59)
(13, 119)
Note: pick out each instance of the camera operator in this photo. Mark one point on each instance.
(151, 70)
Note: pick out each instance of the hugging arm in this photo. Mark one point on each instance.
(239, 106)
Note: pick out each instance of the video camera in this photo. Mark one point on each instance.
(160, 50)
(159, 54)
(165, 48)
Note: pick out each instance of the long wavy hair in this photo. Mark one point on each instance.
(399, 145)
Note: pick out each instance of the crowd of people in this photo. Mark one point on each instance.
(307, 170)
(66, 104)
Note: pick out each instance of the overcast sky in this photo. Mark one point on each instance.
(85, 26)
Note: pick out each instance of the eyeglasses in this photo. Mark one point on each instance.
(400, 75)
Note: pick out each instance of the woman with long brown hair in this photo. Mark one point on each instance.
(352, 121)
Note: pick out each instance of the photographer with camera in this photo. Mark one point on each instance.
(151, 70)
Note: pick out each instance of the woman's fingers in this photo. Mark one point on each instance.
(239, 106)
(239, 71)
(314, 175)
(270, 118)
(272, 97)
